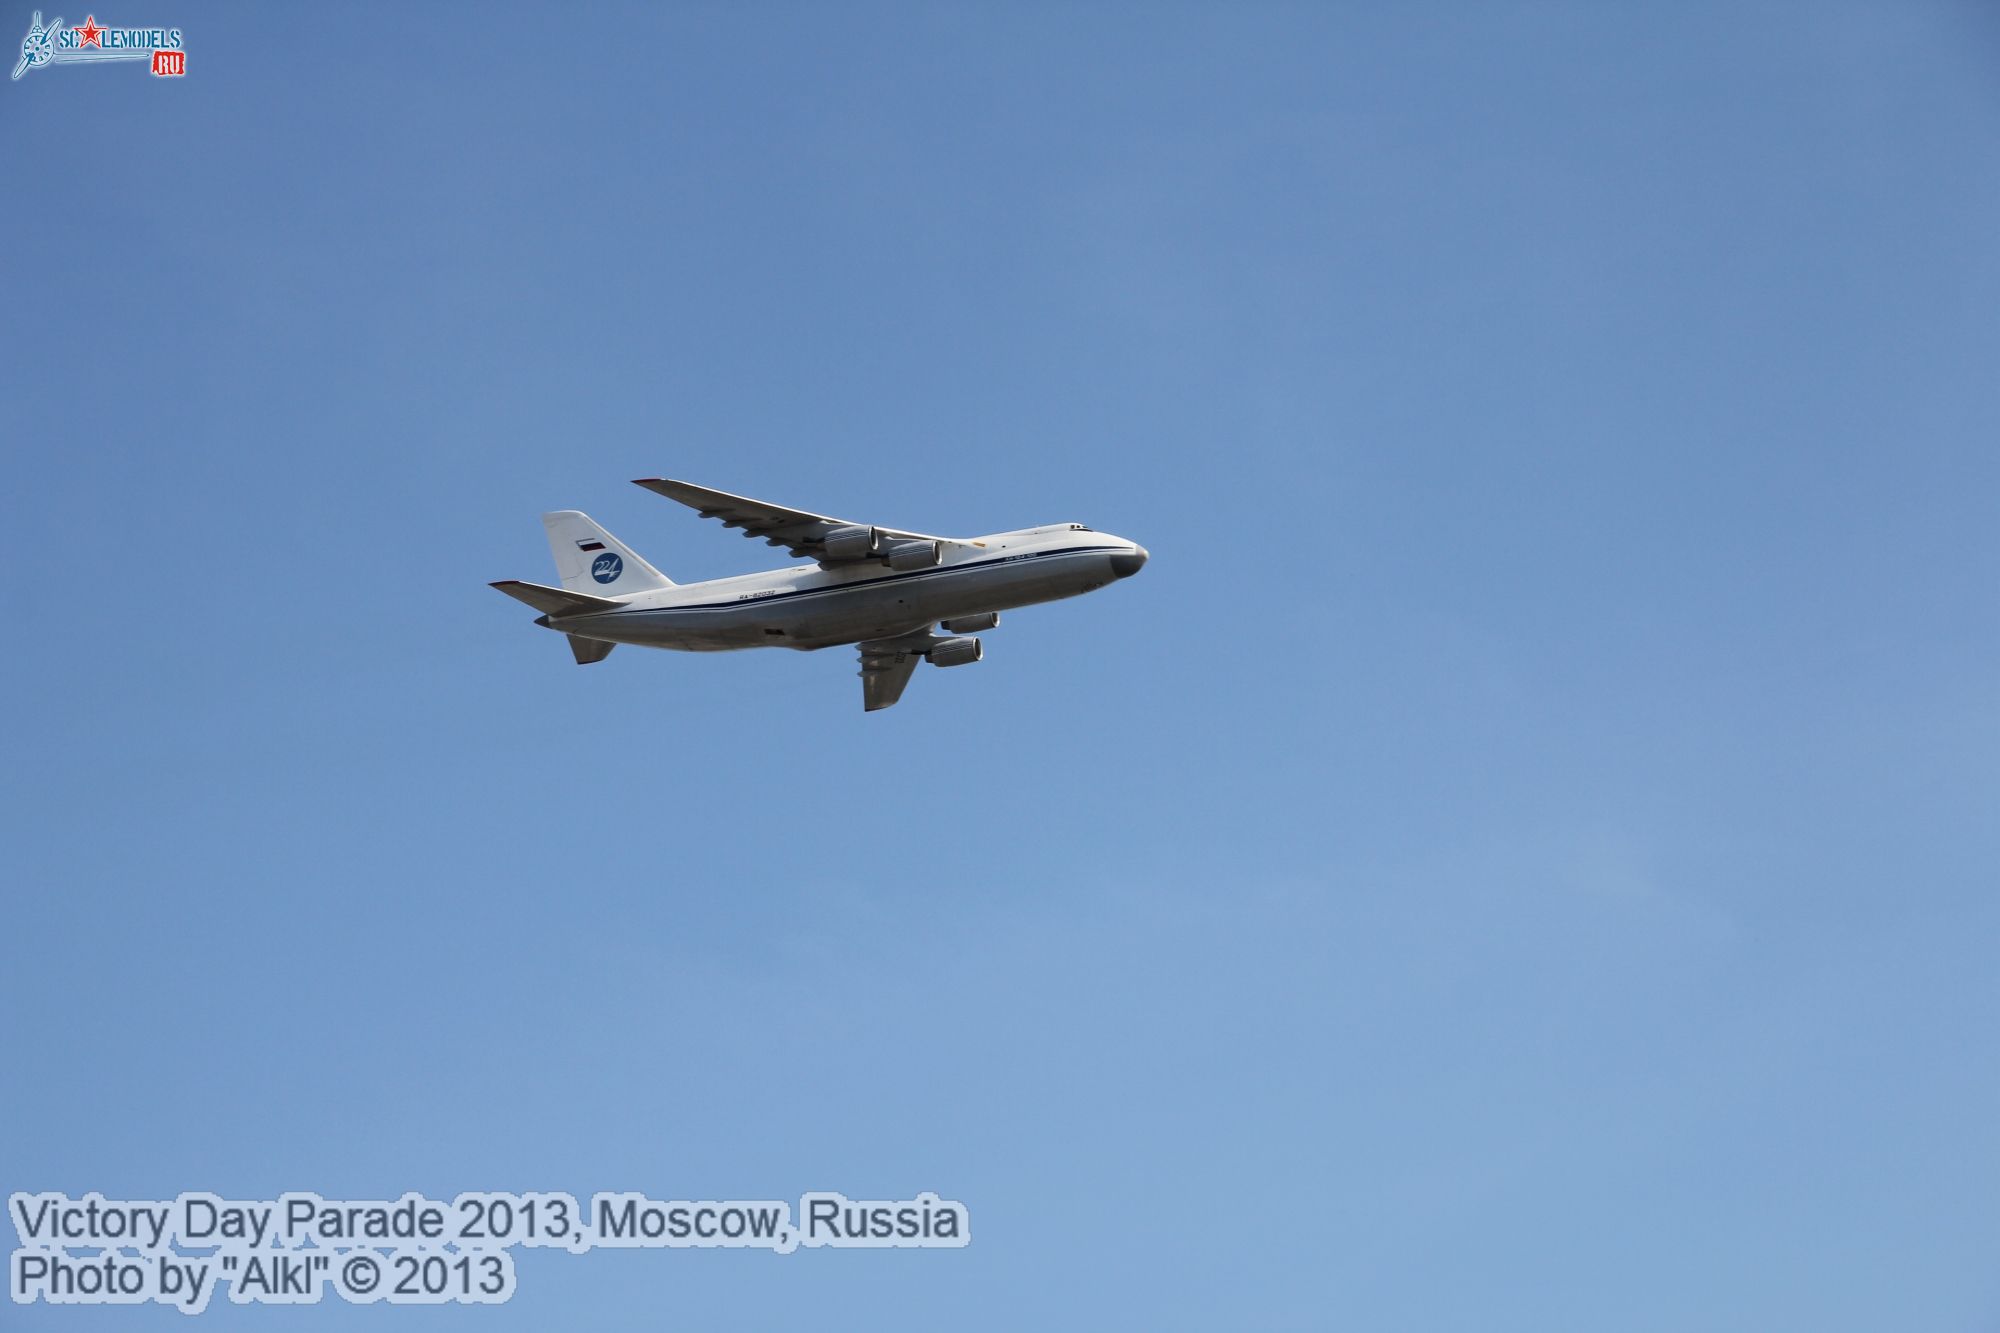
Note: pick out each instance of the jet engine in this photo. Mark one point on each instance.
(849, 543)
(956, 652)
(971, 624)
(914, 555)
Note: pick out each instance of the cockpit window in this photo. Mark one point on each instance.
(1078, 527)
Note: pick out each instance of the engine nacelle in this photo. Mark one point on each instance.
(849, 543)
(956, 652)
(914, 555)
(971, 624)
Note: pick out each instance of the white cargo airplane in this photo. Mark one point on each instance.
(881, 588)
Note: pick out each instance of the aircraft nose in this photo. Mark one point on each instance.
(1127, 563)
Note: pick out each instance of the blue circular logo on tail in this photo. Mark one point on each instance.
(606, 568)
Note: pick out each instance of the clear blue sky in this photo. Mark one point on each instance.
(1521, 857)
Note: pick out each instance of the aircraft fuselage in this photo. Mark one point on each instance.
(810, 606)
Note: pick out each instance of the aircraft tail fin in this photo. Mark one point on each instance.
(591, 560)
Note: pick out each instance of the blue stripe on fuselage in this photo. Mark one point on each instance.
(740, 601)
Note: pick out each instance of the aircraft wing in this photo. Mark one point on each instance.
(801, 533)
(886, 665)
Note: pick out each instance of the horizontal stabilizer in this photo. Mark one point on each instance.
(590, 650)
(556, 601)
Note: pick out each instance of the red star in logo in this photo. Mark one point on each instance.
(89, 32)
